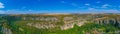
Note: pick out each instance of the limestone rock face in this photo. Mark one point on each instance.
(6, 30)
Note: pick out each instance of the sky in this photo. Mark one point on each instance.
(58, 6)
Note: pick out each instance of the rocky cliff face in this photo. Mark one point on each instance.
(63, 22)
(106, 20)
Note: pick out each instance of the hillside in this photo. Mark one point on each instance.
(60, 24)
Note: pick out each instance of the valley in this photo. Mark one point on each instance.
(60, 24)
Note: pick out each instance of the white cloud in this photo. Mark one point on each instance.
(30, 10)
(2, 12)
(100, 11)
(87, 4)
(1, 5)
(109, 11)
(105, 6)
(91, 8)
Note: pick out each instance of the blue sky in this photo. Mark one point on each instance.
(59, 6)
